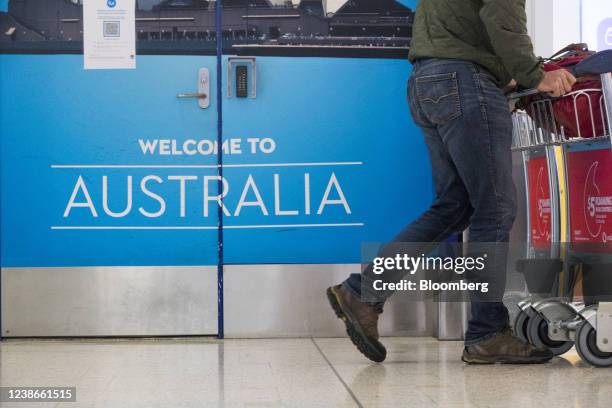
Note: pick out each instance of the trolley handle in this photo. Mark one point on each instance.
(521, 94)
(596, 64)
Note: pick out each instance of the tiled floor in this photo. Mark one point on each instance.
(291, 373)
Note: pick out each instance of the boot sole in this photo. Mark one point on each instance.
(354, 331)
(471, 359)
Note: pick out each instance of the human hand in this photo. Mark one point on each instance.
(557, 83)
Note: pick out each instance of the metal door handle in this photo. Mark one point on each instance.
(202, 95)
(192, 95)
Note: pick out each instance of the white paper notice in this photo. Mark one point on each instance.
(109, 34)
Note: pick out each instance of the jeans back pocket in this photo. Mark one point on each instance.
(438, 97)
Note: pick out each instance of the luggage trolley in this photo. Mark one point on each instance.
(569, 211)
(543, 267)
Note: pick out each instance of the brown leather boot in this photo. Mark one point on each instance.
(361, 320)
(505, 348)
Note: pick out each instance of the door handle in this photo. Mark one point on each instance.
(191, 95)
(203, 90)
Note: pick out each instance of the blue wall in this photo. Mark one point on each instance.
(318, 110)
(328, 110)
(341, 123)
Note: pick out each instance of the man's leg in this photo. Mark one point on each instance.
(485, 132)
(449, 214)
(355, 301)
(479, 143)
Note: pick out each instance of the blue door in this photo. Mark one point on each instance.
(112, 176)
(105, 175)
(95, 170)
(333, 159)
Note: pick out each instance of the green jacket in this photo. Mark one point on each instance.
(491, 33)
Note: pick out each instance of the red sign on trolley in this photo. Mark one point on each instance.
(590, 196)
(539, 202)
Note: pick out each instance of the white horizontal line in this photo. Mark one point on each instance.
(356, 224)
(209, 227)
(210, 166)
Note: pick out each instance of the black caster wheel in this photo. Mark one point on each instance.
(537, 333)
(520, 325)
(586, 346)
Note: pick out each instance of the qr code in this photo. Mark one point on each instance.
(111, 28)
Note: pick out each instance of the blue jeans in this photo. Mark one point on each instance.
(467, 126)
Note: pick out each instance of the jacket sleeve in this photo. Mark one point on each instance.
(506, 25)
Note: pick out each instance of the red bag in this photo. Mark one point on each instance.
(579, 113)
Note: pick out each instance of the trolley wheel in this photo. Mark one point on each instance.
(537, 333)
(586, 346)
(520, 325)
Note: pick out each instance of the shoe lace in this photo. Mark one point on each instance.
(509, 334)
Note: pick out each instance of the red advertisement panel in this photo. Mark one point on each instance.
(590, 196)
(539, 202)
